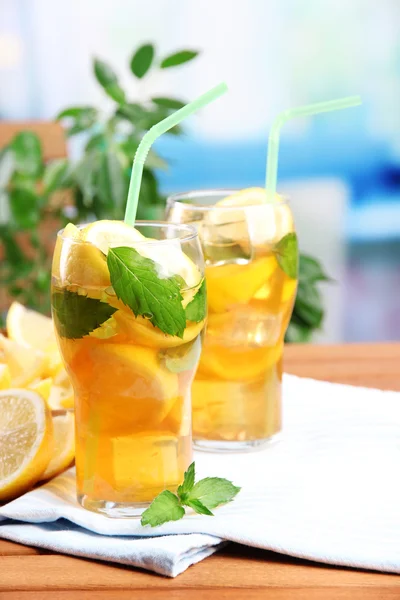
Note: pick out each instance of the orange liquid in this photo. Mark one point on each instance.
(133, 414)
(236, 395)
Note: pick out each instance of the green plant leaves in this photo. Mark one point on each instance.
(308, 311)
(171, 103)
(311, 270)
(142, 60)
(27, 151)
(108, 80)
(287, 254)
(24, 207)
(54, 176)
(178, 58)
(81, 118)
(136, 282)
(111, 183)
(76, 316)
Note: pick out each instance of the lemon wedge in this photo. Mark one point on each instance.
(42, 387)
(61, 393)
(64, 445)
(168, 254)
(26, 435)
(29, 327)
(140, 392)
(79, 264)
(110, 234)
(5, 377)
(141, 331)
(260, 222)
(25, 363)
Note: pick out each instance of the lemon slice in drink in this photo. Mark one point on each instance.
(261, 222)
(110, 234)
(64, 445)
(25, 363)
(167, 254)
(144, 332)
(140, 391)
(26, 440)
(5, 377)
(29, 327)
(79, 264)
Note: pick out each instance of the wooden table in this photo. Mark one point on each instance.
(237, 572)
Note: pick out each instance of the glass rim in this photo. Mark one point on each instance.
(180, 198)
(191, 232)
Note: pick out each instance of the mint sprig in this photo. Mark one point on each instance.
(202, 496)
(76, 316)
(287, 254)
(136, 282)
(196, 310)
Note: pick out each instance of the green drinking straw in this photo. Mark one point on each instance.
(150, 137)
(301, 111)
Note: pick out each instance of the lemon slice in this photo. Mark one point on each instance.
(140, 392)
(262, 222)
(54, 360)
(61, 393)
(228, 285)
(110, 234)
(29, 327)
(5, 377)
(25, 364)
(64, 445)
(167, 254)
(77, 263)
(26, 440)
(42, 387)
(141, 331)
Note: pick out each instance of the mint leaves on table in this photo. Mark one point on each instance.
(196, 310)
(287, 254)
(202, 496)
(76, 316)
(136, 282)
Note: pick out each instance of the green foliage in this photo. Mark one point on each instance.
(308, 312)
(98, 185)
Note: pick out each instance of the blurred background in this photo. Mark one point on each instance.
(341, 171)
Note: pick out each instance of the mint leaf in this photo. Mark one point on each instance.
(188, 483)
(213, 491)
(202, 496)
(196, 310)
(76, 316)
(136, 282)
(199, 507)
(287, 254)
(165, 507)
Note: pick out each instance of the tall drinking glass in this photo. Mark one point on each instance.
(131, 380)
(250, 250)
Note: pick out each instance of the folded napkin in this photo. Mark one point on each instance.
(327, 491)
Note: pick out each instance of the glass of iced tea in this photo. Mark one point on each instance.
(251, 256)
(129, 308)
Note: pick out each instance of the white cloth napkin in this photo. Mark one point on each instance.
(328, 490)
